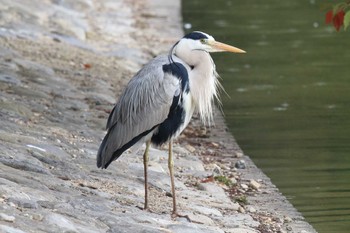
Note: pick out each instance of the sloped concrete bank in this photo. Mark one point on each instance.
(62, 66)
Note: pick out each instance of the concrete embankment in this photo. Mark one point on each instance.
(62, 66)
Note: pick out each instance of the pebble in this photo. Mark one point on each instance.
(190, 148)
(254, 184)
(244, 186)
(251, 209)
(224, 167)
(287, 219)
(37, 217)
(233, 180)
(241, 210)
(7, 218)
(216, 170)
(240, 164)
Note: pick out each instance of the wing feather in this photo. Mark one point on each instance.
(144, 104)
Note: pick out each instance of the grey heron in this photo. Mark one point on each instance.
(158, 102)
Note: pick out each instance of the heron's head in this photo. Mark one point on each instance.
(201, 41)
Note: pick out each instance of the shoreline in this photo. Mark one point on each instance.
(59, 80)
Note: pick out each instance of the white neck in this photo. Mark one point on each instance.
(202, 80)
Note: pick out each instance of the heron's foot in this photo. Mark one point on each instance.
(175, 214)
(145, 208)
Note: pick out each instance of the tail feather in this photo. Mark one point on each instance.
(104, 159)
(101, 157)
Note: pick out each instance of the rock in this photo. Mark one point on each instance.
(251, 209)
(239, 154)
(213, 189)
(24, 203)
(128, 224)
(241, 210)
(240, 164)
(185, 228)
(156, 167)
(254, 184)
(244, 186)
(287, 219)
(202, 219)
(224, 167)
(189, 163)
(233, 180)
(207, 211)
(61, 222)
(216, 170)
(37, 217)
(8, 229)
(26, 165)
(190, 148)
(241, 230)
(239, 220)
(7, 218)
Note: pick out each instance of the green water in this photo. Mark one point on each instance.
(290, 98)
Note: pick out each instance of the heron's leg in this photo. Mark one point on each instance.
(171, 171)
(145, 166)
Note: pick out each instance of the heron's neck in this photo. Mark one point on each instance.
(203, 82)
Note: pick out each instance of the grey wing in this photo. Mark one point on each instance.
(144, 104)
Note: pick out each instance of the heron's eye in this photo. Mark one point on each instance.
(203, 41)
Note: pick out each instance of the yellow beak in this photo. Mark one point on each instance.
(221, 47)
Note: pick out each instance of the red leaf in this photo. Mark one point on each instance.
(338, 20)
(87, 66)
(207, 180)
(329, 16)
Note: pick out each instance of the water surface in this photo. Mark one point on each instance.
(290, 98)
